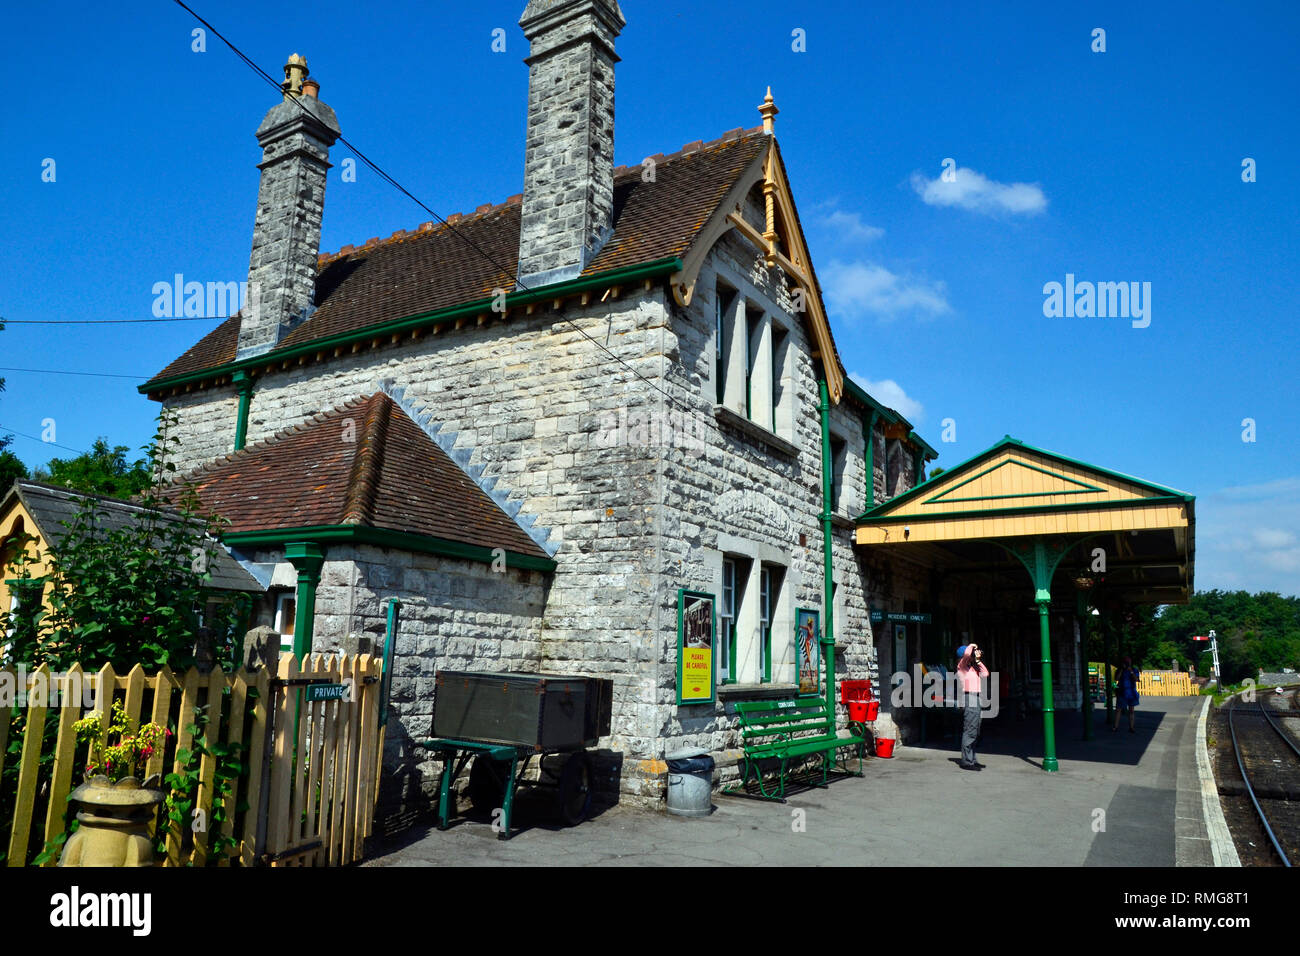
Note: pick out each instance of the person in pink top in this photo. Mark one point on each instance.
(970, 673)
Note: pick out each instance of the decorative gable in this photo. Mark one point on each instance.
(1013, 489)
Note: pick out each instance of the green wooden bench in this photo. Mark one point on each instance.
(777, 732)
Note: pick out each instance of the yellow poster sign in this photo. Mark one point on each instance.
(695, 633)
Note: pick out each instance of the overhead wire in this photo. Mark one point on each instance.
(519, 285)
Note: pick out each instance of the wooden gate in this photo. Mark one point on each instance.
(1166, 684)
(325, 754)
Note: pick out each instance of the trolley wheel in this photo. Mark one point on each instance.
(575, 788)
(487, 783)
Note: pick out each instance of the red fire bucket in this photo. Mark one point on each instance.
(884, 747)
(861, 711)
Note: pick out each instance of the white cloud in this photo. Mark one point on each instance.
(855, 289)
(849, 226)
(976, 192)
(891, 394)
(1248, 537)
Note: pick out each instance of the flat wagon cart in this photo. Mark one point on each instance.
(503, 721)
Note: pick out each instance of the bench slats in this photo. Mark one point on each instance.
(780, 730)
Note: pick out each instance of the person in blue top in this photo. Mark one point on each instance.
(1126, 697)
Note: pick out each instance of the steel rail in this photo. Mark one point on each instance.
(1250, 791)
(1276, 726)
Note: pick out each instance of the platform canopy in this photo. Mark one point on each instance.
(1015, 508)
(987, 511)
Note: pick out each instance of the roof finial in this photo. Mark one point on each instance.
(295, 71)
(768, 111)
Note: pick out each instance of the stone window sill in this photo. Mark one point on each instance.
(753, 430)
(842, 521)
(756, 691)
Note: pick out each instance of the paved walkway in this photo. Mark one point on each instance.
(917, 809)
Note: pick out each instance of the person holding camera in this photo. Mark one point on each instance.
(970, 673)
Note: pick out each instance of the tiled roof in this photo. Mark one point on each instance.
(365, 463)
(53, 508)
(436, 267)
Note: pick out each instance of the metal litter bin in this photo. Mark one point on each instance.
(690, 782)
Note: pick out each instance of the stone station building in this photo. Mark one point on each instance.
(537, 425)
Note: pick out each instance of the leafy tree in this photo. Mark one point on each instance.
(101, 471)
(1254, 631)
(11, 466)
(136, 594)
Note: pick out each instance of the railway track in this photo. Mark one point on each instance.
(1268, 760)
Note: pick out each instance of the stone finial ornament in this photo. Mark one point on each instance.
(768, 111)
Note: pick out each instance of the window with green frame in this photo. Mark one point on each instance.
(753, 342)
(780, 342)
(727, 624)
(765, 608)
(722, 299)
(771, 582)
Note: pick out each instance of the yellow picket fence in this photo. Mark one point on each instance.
(310, 767)
(1166, 684)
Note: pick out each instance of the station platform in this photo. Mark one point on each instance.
(1120, 799)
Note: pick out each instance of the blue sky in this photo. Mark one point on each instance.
(1115, 166)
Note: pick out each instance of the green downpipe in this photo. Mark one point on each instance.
(244, 383)
(869, 433)
(828, 615)
(390, 643)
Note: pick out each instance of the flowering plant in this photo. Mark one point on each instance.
(116, 752)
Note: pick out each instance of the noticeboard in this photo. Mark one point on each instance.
(696, 647)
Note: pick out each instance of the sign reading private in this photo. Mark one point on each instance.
(316, 692)
(696, 632)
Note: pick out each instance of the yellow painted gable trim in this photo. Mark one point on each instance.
(8, 523)
(1103, 520)
(795, 261)
(1017, 478)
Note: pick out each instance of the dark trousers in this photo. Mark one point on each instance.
(970, 728)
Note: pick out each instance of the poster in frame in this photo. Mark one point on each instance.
(807, 651)
(697, 630)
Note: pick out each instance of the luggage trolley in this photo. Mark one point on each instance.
(502, 721)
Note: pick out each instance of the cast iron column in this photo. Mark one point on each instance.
(307, 557)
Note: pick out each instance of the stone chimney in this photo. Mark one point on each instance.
(295, 137)
(568, 205)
